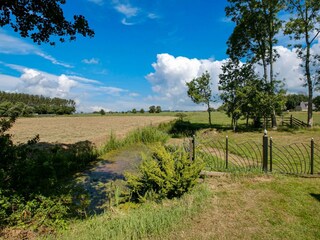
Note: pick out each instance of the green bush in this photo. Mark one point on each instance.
(33, 189)
(165, 173)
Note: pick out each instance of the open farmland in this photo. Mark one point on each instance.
(73, 129)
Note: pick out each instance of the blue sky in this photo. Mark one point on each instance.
(142, 54)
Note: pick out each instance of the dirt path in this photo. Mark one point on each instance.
(97, 179)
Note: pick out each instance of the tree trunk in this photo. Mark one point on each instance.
(273, 115)
(209, 112)
(309, 81)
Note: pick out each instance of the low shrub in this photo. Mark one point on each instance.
(165, 173)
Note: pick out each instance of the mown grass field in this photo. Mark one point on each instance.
(80, 128)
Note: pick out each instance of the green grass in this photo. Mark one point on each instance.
(258, 207)
(144, 135)
(151, 220)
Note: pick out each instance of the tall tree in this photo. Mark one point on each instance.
(42, 19)
(235, 87)
(304, 26)
(254, 35)
(199, 91)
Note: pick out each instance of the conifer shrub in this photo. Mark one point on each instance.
(165, 173)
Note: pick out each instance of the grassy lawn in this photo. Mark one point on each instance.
(265, 207)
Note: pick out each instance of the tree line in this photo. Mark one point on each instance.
(21, 104)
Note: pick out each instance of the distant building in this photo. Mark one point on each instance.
(304, 107)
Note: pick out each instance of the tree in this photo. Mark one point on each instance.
(254, 35)
(42, 19)
(293, 100)
(141, 110)
(199, 91)
(152, 109)
(134, 110)
(316, 102)
(235, 87)
(245, 95)
(304, 26)
(158, 109)
(102, 112)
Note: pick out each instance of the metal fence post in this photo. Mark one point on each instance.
(265, 152)
(270, 154)
(227, 146)
(312, 156)
(193, 148)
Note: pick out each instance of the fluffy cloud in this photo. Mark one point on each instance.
(36, 82)
(171, 75)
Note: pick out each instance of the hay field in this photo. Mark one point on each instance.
(73, 129)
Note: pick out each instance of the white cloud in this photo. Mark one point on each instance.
(112, 90)
(98, 2)
(90, 61)
(124, 21)
(52, 59)
(132, 15)
(171, 75)
(127, 10)
(12, 45)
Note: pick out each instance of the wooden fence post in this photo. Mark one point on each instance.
(265, 152)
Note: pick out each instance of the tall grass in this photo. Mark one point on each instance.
(144, 135)
(151, 220)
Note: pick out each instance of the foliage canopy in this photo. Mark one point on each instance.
(42, 19)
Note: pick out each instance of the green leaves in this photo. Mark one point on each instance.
(40, 20)
(199, 91)
(165, 173)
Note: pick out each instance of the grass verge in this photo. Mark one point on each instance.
(150, 220)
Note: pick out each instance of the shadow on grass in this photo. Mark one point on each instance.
(316, 196)
(187, 129)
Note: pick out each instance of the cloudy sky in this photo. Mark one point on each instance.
(143, 53)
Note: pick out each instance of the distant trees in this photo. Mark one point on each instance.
(199, 91)
(155, 109)
(141, 110)
(21, 104)
(293, 100)
(134, 110)
(316, 102)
